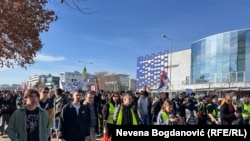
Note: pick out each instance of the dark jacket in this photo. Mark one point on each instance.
(156, 107)
(226, 116)
(191, 104)
(105, 111)
(8, 106)
(181, 110)
(74, 127)
(58, 105)
(97, 115)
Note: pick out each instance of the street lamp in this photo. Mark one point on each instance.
(85, 62)
(84, 71)
(169, 66)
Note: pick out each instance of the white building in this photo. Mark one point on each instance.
(71, 76)
(72, 80)
(32, 81)
(179, 69)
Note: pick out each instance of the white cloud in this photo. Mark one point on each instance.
(46, 58)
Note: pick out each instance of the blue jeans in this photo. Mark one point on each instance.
(145, 119)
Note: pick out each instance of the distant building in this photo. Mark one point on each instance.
(4, 86)
(117, 82)
(71, 80)
(71, 76)
(221, 62)
(52, 82)
(212, 65)
(132, 85)
(49, 81)
(32, 81)
(10, 87)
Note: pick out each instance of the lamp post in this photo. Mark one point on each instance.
(85, 62)
(169, 66)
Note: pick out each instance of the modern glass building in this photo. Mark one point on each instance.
(149, 69)
(214, 64)
(221, 58)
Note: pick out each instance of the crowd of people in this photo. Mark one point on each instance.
(43, 114)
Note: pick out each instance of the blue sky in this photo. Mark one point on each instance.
(122, 30)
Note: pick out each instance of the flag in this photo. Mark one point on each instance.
(24, 86)
(84, 72)
(163, 81)
(96, 85)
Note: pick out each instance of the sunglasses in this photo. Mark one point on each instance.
(45, 92)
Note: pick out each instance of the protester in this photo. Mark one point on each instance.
(126, 114)
(94, 114)
(30, 122)
(166, 115)
(74, 123)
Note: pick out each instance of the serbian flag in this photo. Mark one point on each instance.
(96, 85)
(163, 81)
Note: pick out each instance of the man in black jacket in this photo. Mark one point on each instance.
(227, 111)
(94, 115)
(74, 120)
(8, 107)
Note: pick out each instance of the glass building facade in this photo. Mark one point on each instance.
(149, 69)
(221, 58)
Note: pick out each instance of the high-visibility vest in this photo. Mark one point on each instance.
(164, 116)
(110, 119)
(246, 108)
(214, 112)
(120, 114)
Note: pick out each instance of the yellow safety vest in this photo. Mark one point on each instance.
(119, 119)
(215, 110)
(111, 114)
(164, 116)
(245, 113)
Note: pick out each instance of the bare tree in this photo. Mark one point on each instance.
(111, 82)
(75, 4)
(101, 79)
